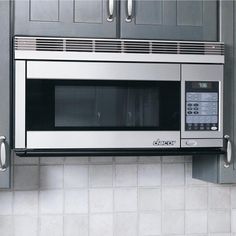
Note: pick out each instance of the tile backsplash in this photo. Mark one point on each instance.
(114, 196)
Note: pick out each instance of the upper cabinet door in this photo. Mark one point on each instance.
(4, 94)
(171, 20)
(68, 18)
(228, 36)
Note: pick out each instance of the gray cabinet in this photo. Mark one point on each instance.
(172, 19)
(4, 90)
(149, 19)
(70, 18)
(228, 35)
(212, 168)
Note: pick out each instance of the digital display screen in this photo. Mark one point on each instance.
(202, 85)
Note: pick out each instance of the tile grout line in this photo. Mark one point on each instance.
(39, 218)
(208, 209)
(161, 192)
(13, 197)
(88, 191)
(231, 211)
(63, 189)
(185, 184)
(138, 188)
(113, 196)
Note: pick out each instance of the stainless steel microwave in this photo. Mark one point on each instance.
(101, 96)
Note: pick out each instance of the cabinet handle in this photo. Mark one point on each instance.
(110, 17)
(228, 152)
(129, 11)
(3, 154)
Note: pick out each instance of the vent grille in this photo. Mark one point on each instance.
(118, 46)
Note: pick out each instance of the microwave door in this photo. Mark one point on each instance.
(106, 108)
(105, 111)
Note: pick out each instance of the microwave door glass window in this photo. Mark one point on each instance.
(106, 106)
(142, 107)
(102, 105)
(75, 106)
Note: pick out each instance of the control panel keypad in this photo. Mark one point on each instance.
(201, 106)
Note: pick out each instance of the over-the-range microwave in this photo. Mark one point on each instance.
(76, 96)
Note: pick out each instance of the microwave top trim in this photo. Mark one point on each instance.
(83, 49)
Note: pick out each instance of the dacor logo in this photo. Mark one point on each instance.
(159, 142)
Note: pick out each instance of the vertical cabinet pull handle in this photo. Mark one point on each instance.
(228, 152)
(3, 154)
(110, 10)
(129, 10)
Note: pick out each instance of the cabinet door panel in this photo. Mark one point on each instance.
(68, 18)
(190, 13)
(234, 91)
(5, 83)
(228, 33)
(154, 10)
(173, 20)
(41, 10)
(89, 11)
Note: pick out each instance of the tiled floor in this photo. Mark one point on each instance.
(114, 196)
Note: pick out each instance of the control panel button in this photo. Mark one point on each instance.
(191, 143)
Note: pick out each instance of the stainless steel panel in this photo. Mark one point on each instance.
(102, 71)
(20, 104)
(103, 139)
(193, 143)
(202, 73)
(121, 57)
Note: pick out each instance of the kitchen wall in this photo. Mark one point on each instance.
(119, 196)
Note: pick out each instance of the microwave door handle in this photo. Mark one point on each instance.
(110, 17)
(129, 11)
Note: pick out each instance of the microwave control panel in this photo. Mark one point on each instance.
(201, 106)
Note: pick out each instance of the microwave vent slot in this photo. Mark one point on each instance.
(165, 48)
(136, 47)
(107, 46)
(118, 46)
(193, 48)
(78, 45)
(49, 45)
